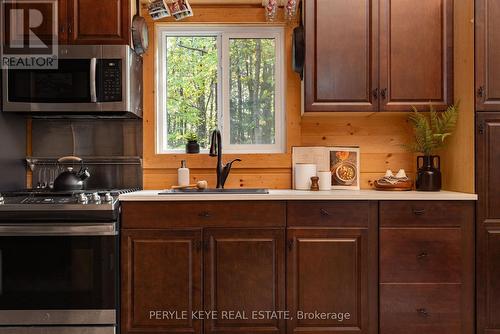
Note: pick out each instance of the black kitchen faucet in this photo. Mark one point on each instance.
(216, 151)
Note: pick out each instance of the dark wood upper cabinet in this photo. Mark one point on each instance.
(98, 22)
(81, 21)
(46, 30)
(487, 24)
(341, 55)
(244, 271)
(488, 221)
(328, 271)
(416, 54)
(161, 271)
(351, 65)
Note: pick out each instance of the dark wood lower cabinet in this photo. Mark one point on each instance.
(488, 281)
(421, 308)
(161, 278)
(426, 267)
(329, 280)
(207, 268)
(244, 274)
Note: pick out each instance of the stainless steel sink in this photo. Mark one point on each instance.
(213, 191)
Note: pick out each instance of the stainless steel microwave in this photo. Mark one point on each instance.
(90, 79)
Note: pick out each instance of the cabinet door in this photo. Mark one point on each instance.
(488, 281)
(98, 22)
(341, 55)
(488, 162)
(488, 222)
(40, 21)
(161, 281)
(416, 54)
(487, 59)
(328, 272)
(244, 272)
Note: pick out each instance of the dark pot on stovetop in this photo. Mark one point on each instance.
(428, 173)
(70, 180)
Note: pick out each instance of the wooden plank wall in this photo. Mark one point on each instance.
(379, 135)
(458, 158)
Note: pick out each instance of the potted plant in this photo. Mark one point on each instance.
(430, 132)
(192, 145)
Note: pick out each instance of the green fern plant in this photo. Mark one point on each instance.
(191, 136)
(430, 131)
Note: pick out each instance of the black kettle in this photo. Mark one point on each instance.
(70, 180)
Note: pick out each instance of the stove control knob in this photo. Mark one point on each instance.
(2, 201)
(108, 198)
(82, 198)
(96, 198)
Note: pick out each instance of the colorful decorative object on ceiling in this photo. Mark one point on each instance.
(179, 9)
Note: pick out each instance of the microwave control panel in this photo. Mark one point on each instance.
(112, 80)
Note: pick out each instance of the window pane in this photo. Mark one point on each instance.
(252, 89)
(191, 89)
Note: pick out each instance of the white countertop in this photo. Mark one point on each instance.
(152, 195)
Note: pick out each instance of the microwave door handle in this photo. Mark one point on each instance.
(93, 91)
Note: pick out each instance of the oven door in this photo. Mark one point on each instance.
(58, 274)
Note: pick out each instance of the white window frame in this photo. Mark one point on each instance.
(223, 33)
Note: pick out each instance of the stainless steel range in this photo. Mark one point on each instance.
(59, 262)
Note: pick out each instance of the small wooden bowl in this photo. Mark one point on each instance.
(400, 186)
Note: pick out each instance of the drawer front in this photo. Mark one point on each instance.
(426, 213)
(330, 213)
(417, 309)
(416, 255)
(203, 214)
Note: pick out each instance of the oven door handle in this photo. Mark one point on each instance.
(62, 229)
(93, 70)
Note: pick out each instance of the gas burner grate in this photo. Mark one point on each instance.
(51, 193)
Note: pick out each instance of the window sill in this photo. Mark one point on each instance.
(204, 161)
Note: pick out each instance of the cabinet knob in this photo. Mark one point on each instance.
(324, 212)
(204, 214)
(480, 128)
(480, 91)
(383, 93)
(423, 312)
(418, 212)
(198, 245)
(290, 244)
(375, 93)
(422, 255)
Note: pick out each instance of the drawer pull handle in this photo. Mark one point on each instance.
(422, 255)
(418, 212)
(423, 312)
(324, 212)
(204, 214)
(198, 245)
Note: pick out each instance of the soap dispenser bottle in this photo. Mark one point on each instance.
(183, 175)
